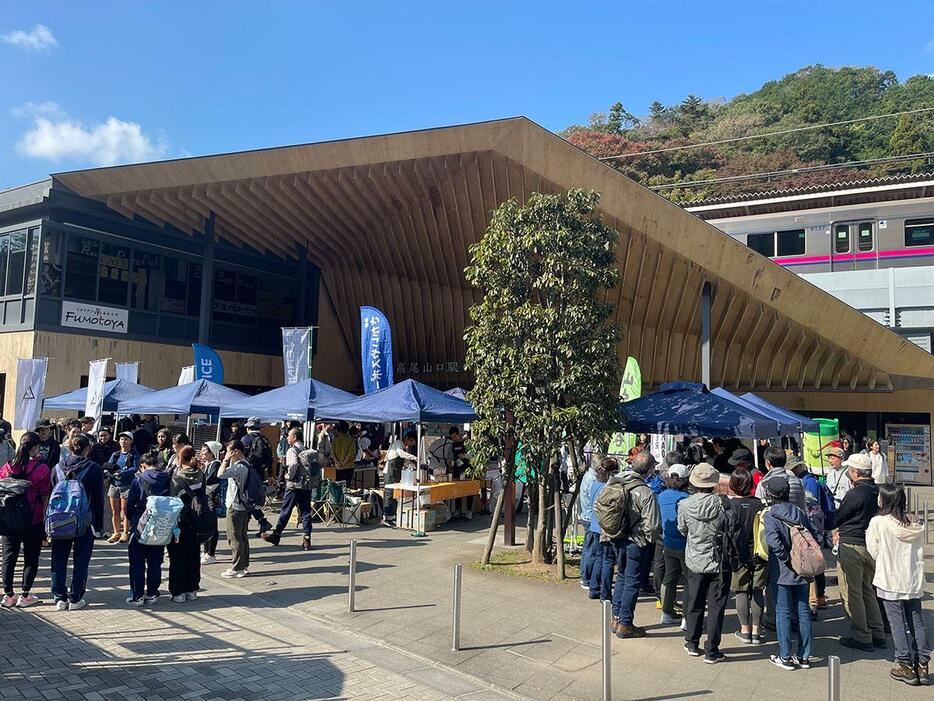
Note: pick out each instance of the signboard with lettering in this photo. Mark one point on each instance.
(92, 317)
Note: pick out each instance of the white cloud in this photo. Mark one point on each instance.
(54, 136)
(38, 39)
(36, 109)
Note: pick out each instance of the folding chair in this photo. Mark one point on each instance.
(319, 501)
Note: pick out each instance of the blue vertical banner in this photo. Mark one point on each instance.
(375, 350)
(208, 364)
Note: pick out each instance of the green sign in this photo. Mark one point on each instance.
(630, 388)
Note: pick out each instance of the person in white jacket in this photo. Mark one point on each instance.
(896, 542)
(880, 465)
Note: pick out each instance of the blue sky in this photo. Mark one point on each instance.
(88, 83)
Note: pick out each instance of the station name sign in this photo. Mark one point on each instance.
(93, 317)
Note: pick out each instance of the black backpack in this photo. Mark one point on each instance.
(259, 453)
(15, 511)
(735, 543)
(253, 494)
(198, 515)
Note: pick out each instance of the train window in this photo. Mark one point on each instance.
(864, 236)
(919, 232)
(762, 243)
(791, 243)
(841, 238)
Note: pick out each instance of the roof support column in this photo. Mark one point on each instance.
(705, 334)
(302, 316)
(207, 277)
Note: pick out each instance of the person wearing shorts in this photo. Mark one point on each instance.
(122, 468)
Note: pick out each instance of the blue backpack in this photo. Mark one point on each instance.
(828, 506)
(68, 514)
(158, 524)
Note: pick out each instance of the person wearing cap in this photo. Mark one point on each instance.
(209, 459)
(700, 518)
(838, 478)
(122, 468)
(791, 589)
(673, 541)
(776, 460)
(642, 529)
(857, 568)
(50, 452)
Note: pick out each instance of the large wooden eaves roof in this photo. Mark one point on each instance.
(389, 220)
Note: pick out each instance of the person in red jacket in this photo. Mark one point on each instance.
(26, 466)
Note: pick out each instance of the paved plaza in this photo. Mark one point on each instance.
(284, 633)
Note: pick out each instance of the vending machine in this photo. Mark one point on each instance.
(911, 446)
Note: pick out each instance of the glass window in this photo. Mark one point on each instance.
(246, 299)
(32, 261)
(194, 289)
(762, 243)
(287, 303)
(791, 243)
(17, 262)
(225, 295)
(114, 274)
(81, 268)
(175, 293)
(145, 281)
(841, 238)
(4, 254)
(51, 263)
(864, 236)
(919, 232)
(266, 295)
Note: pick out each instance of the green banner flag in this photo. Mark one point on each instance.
(630, 388)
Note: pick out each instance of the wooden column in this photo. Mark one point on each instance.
(207, 280)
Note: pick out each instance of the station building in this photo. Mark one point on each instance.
(137, 262)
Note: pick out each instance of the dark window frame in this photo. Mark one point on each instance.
(799, 235)
(761, 237)
(859, 238)
(927, 222)
(836, 239)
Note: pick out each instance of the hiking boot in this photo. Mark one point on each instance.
(854, 644)
(922, 672)
(271, 537)
(879, 643)
(821, 602)
(692, 649)
(713, 657)
(9, 601)
(306, 543)
(77, 605)
(902, 672)
(114, 537)
(614, 624)
(625, 630)
(27, 600)
(782, 663)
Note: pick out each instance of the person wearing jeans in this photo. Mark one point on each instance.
(234, 468)
(603, 553)
(585, 515)
(642, 528)
(297, 490)
(791, 589)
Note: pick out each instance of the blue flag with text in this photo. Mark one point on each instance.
(375, 350)
(208, 364)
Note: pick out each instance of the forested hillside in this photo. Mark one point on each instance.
(811, 96)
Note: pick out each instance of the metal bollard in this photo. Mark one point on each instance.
(456, 643)
(352, 587)
(606, 650)
(908, 498)
(926, 529)
(833, 678)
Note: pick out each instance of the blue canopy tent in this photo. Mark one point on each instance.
(296, 402)
(688, 407)
(785, 428)
(198, 397)
(801, 423)
(115, 392)
(458, 392)
(405, 401)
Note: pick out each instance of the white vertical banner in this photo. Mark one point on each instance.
(128, 372)
(30, 384)
(296, 353)
(186, 375)
(97, 376)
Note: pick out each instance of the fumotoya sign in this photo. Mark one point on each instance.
(94, 317)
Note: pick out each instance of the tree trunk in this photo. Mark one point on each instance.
(578, 477)
(559, 527)
(538, 548)
(491, 536)
(531, 525)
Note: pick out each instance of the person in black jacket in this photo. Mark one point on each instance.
(91, 475)
(857, 568)
(50, 452)
(104, 447)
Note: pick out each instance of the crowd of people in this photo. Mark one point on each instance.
(708, 521)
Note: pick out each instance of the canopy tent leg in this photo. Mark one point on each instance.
(220, 422)
(418, 532)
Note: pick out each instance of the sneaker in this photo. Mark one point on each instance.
(684, 625)
(179, 599)
(114, 537)
(854, 644)
(9, 601)
(134, 602)
(234, 574)
(61, 605)
(191, 596)
(692, 649)
(468, 516)
(387, 523)
(625, 630)
(27, 600)
(743, 637)
(585, 587)
(904, 673)
(271, 537)
(801, 662)
(658, 604)
(782, 664)
(151, 599)
(669, 619)
(758, 639)
(713, 657)
(306, 543)
(208, 559)
(813, 613)
(77, 605)
(124, 538)
(879, 643)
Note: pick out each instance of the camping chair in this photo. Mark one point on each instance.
(319, 501)
(338, 502)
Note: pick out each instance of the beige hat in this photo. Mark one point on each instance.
(705, 475)
(858, 461)
(834, 451)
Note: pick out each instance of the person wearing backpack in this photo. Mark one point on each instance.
(236, 470)
(298, 486)
(123, 466)
(188, 484)
(258, 453)
(603, 553)
(821, 512)
(673, 542)
(701, 518)
(749, 577)
(895, 541)
(209, 459)
(24, 466)
(782, 522)
(74, 514)
(145, 560)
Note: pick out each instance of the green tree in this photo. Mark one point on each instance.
(619, 119)
(541, 345)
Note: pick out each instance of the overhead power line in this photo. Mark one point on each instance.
(636, 154)
(687, 184)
